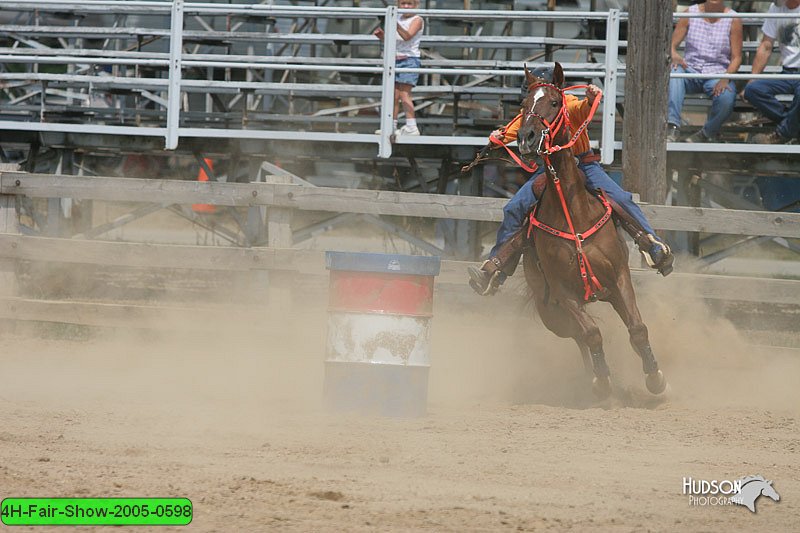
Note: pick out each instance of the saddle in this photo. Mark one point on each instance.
(508, 255)
(619, 215)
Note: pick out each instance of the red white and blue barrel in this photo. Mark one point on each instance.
(379, 322)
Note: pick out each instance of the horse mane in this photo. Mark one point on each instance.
(748, 479)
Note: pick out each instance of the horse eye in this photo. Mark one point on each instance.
(554, 103)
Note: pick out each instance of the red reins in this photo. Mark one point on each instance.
(590, 282)
(517, 159)
(562, 119)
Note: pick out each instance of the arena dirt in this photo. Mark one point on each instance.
(233, 419)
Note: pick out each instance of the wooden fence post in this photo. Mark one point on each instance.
(279, 229)
(279, 235)
(9, 223)
(644, 154)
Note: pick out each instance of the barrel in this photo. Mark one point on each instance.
(379, 323)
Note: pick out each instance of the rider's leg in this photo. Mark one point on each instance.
(597, 178)
(504, 256)
(515, 212)
(658, 252)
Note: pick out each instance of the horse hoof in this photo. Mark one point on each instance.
(656, 382)
(601, 387)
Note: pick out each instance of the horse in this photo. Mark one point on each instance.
(752, 488)
(573, 257)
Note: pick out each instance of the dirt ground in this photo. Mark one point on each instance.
(513, 439)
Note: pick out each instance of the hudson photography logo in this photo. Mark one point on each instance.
(744, 491)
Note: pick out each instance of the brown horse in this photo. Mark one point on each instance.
(565, 271)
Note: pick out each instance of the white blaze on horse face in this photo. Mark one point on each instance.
(536, 96)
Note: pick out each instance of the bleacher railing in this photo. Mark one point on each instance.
(153, 78)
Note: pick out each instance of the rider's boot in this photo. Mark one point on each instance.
(486, 279)
(657, 254)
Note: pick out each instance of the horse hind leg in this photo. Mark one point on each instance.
(625, 305)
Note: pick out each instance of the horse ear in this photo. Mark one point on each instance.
(530, 78)
(558, 76)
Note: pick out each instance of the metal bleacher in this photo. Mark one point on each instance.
(203, 72)
(181, 70)
(278, 81)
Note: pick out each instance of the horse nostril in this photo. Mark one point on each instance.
(524, 143)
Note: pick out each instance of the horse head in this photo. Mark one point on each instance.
(769, 491)
(544, 119)
(752, 488)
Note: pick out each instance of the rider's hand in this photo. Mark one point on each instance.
(591, 93)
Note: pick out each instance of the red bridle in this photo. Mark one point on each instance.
(561, 120)
(551, 129)
(545, 149)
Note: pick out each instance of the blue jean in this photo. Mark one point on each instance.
(721, 106)
(515, 211)
(761, 93)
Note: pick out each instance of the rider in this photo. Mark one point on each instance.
(505, 254)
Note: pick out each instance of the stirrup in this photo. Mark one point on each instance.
(664, 266)
(483, 282)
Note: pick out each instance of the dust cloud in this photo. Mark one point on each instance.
(483, 350)
(222, 403)
(496, 349)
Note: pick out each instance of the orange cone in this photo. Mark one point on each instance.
(202, 176)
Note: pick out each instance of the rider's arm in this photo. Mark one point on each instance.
(578, 109)
(507, 133)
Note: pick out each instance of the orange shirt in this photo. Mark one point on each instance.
(577, 109)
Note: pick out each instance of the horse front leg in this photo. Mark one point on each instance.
(590, 336)
(554, 317)
(624, 303)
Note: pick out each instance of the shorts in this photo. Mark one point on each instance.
(410, 78)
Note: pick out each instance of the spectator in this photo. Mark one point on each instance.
(762, 93)
(409, 34)
(713, 46)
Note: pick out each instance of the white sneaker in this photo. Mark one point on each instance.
(407, 130)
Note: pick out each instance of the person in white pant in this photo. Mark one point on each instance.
(409, 34)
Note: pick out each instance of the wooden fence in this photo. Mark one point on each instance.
(281, 200)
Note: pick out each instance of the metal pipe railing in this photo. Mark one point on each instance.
(174, 63)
